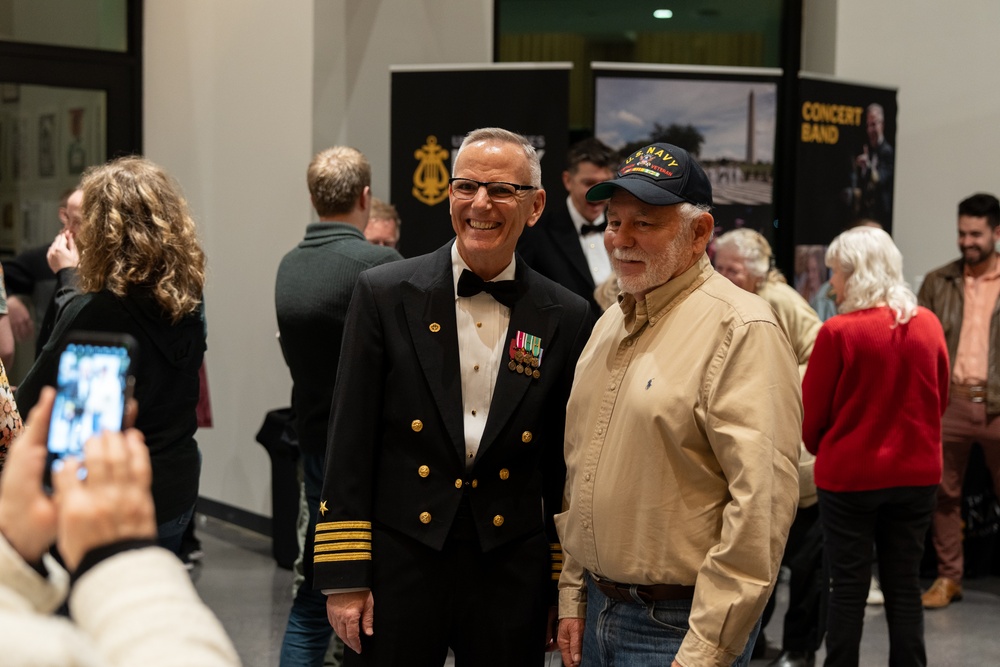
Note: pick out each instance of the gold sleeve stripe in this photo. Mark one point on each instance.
(344, 525)
(344, 535)
(332, 558)
(555, 576)
(555, 546)
(343, 546)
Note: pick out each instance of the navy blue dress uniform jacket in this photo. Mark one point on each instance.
(396, 451)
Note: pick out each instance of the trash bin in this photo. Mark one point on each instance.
(277, 435)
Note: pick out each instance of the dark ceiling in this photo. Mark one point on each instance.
(604, 17)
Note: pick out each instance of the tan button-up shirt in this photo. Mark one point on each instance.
(682, 440)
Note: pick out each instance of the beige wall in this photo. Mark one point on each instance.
(228, 111)
(238, 96)
(352, 84)
(942, 58)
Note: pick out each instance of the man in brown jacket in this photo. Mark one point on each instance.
(963, 294)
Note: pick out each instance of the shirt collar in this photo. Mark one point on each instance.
(661, 300)
(328, 228)
(458, 265)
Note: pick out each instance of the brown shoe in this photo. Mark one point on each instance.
(942, 593)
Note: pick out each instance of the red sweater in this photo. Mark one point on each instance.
(873, 397)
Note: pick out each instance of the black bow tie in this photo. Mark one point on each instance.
(504, 291)
(592, 229)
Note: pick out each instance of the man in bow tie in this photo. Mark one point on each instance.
(567, 244)
(445, 443)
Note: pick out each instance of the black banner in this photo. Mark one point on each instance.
(432, 111)
(845, 173)
(845, 158)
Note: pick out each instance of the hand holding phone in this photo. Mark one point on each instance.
(93, 384)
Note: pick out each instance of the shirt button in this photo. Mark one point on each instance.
(476, 367)
(584, 524)
(587, 477)
(479, 325)
(473, 413)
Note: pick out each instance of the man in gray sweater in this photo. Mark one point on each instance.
(313, 289)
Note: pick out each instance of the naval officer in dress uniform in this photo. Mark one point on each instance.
(445, 457)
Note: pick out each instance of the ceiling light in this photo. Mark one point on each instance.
(663, 14)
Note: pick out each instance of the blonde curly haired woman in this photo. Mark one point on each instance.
(142, 272)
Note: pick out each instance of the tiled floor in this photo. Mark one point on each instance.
(251, 595)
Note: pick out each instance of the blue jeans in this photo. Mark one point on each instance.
(308, 632)
(639, 634)
(170, 534)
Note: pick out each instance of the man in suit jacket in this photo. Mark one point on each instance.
(445, 445)
(567, 244)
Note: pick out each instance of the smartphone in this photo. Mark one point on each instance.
(93, 383)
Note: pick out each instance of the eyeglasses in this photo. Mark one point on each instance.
(498, 191)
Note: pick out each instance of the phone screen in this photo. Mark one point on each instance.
(92, 385)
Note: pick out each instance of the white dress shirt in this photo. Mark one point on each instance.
(482, 326)
(592, 244)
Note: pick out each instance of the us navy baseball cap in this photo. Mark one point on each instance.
(658, 174)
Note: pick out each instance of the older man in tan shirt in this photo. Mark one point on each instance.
(682, 437)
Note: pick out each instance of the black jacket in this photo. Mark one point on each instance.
(396, 454)
(552, 247)
(166, 383)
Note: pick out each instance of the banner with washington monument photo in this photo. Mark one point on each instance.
(726, 117)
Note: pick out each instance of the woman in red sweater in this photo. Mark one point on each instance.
(873, 395)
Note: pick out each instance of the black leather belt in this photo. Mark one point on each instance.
(645, 592)
(970, 392)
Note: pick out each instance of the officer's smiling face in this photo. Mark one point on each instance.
(487, 231)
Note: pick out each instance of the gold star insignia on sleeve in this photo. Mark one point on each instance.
(322, 508)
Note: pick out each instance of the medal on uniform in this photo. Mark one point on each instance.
(525, 352)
